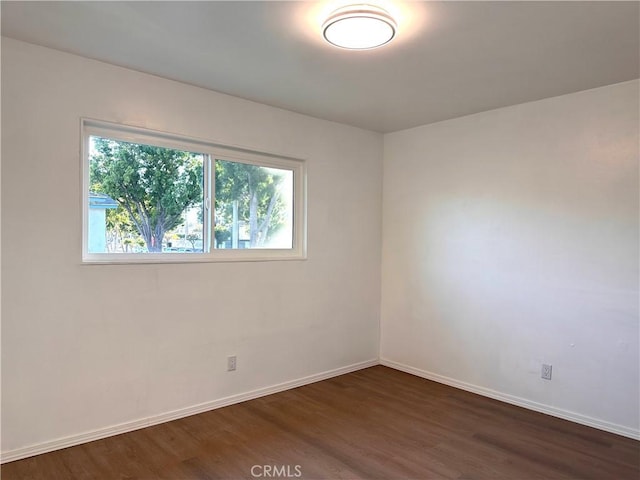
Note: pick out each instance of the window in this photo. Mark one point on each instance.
(157, 197)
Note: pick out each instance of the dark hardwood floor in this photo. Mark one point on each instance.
(376, 423)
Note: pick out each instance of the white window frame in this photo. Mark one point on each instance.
(212, 152)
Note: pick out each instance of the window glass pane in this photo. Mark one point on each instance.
(253, 206)
(144, 198)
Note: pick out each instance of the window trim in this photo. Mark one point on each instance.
(212, 151)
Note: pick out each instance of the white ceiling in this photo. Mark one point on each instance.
(449, 58)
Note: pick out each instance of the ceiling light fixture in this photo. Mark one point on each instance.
(359, 27)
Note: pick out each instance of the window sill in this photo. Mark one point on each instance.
(218, 257)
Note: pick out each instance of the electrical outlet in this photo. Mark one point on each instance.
(231, 363)
(546, 371)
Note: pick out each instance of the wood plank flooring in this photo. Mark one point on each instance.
(376, 423)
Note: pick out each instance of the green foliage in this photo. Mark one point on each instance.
(192, 238)
(222, 232)
(255, 189)
(120, 231)
(152, 185)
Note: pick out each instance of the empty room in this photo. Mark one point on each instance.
(320, 240)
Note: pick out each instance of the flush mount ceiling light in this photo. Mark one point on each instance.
(359, 27)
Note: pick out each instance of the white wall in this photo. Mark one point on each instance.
(86, 347)
(510, 238)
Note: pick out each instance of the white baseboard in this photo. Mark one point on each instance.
(520, 402)
(85, 437)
